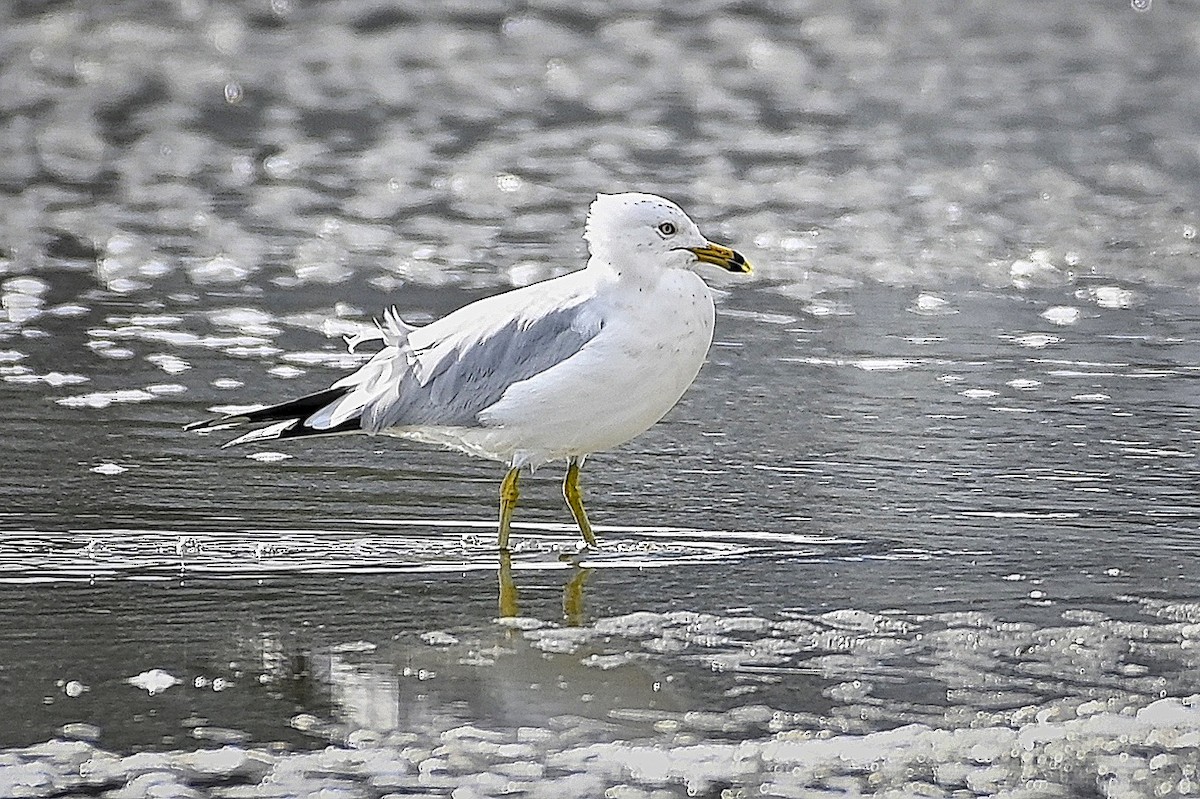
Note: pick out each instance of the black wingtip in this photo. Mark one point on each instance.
(292, 409)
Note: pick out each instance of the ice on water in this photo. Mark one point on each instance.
(1077, 704)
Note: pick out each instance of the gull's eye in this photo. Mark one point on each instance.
(667, 228)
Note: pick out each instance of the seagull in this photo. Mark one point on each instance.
(552, 371)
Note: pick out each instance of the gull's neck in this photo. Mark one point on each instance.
(627, 270)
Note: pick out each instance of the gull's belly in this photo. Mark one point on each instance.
(625, 380)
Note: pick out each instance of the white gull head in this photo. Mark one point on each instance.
(634, 229)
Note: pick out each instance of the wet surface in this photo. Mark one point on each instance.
(926, 523)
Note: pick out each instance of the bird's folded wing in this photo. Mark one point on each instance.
(461, 370)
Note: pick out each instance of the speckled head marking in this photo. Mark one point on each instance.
(635, 228)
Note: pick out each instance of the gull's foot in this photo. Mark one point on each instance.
(582, 549)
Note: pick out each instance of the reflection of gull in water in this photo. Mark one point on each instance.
(554, 370)
(572, 601)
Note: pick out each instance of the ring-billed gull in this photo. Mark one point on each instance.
(555, 370)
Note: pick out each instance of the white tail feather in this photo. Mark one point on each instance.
(377, 377)
(263, 434)
(393, 332)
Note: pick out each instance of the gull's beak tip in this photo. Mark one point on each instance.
(719, 255)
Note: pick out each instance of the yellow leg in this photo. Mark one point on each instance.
(574, 498)
(572, 602)
(508, 503)
(509, 606)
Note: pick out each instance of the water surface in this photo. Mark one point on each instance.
(925, 523)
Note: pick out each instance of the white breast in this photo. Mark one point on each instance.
(653, 343)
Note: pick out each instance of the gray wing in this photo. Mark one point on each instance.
(449, 382)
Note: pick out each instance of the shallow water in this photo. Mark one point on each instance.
(926, 523)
